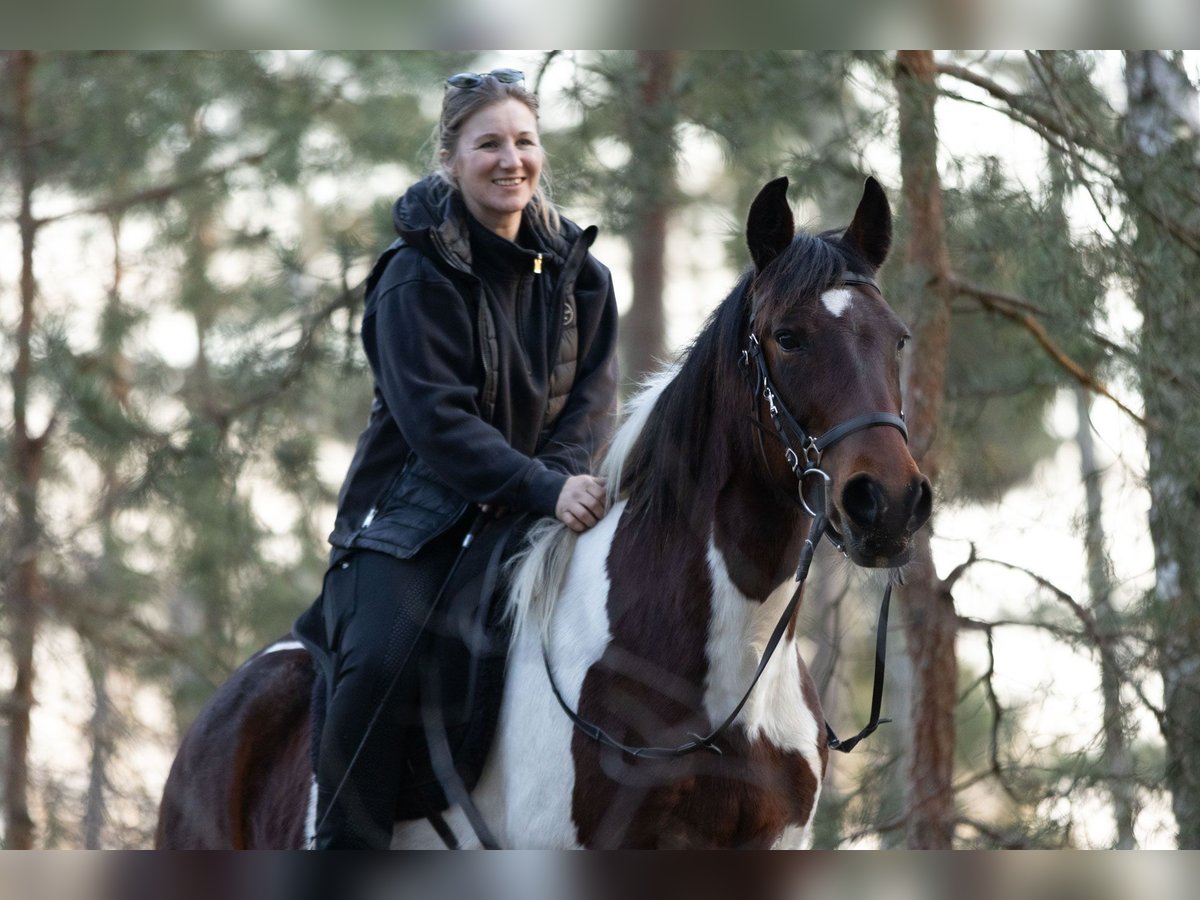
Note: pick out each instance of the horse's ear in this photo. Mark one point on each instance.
(769, 227)
(871, 231)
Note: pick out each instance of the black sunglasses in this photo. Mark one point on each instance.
(467, 80)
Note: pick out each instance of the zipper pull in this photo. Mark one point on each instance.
(537, 265)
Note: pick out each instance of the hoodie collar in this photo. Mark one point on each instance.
(432, 216)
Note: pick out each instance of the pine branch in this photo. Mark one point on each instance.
(894, 825)
(967, 623)
(1091, 629)
(1047, 74)
(995, 768)
(1069, 142)
(951, 580)
(301, 352)
(547, 58)
(92, 620)
(999, 838)
(1015, 309)
(156, 194)
(1019, 104)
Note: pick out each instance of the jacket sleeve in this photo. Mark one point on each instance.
(419, 339)
(587, 420)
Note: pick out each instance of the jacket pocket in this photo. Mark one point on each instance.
(416, 508)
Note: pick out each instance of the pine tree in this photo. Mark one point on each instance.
(1160, 168)
(201, 469)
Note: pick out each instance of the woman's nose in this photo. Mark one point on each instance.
(509, 158)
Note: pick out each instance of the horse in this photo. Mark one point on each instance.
(633, 639)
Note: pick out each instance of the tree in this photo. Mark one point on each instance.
(650, 130)
(27, 455)
(183, 156)
(930, 622)
(1160, 168)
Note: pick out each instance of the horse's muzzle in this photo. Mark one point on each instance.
(878, 521)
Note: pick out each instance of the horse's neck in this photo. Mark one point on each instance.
(754, 527)
(746, 536)
(758, 532)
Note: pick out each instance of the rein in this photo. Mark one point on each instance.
(805, 463)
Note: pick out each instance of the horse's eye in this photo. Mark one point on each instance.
(903, 342)
(788, 341)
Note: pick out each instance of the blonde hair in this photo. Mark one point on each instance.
(458, 105)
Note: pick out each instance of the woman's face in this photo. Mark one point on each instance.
(497, 164)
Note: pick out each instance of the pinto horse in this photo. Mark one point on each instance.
(647, 630)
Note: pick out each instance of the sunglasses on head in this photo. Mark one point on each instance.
(467, 80)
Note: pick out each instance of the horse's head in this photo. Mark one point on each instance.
(831, 348)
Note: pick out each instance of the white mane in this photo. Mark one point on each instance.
(538, 570)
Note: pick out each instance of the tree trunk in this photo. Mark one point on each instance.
(930, 621)
(1161, 135)
(652, 145)
(27, 457)
(1117, 758)
(95, 811)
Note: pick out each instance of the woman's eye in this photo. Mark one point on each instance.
(788, 340)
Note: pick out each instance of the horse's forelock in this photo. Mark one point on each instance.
(811, 265)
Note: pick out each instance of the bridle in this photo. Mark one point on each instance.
(803, 452)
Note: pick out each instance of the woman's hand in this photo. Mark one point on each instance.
(580, 502)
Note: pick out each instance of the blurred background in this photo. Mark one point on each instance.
(183, 237)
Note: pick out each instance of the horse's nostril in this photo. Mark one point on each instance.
(863, 500)
(922, 507)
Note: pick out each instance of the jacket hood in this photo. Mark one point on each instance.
(431, 215)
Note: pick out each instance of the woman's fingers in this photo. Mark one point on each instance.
(581, 502)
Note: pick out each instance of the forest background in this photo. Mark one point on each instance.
(183, 238)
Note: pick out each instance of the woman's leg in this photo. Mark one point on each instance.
(375, 608)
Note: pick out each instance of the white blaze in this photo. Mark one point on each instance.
(837, 300)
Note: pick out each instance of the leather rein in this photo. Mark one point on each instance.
(803, 452)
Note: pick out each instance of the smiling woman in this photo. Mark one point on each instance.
(491, 333)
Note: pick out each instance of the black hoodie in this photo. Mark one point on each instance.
(476, 398)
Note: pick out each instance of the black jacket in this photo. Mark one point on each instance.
(461, 415)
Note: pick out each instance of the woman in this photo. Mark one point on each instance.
(491, 334)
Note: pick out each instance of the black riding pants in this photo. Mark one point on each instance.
(375, 606)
